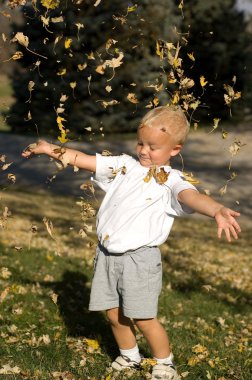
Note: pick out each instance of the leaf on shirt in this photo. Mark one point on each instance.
(115, 171)
(160, 176)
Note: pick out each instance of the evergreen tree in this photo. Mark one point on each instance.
(219, 41)
(75, 47)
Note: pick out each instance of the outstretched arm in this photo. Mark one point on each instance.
(203, 204)
(69, 156)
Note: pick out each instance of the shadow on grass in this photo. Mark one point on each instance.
(186, 279)
(73, 299)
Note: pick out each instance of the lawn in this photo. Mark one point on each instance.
(47, 331)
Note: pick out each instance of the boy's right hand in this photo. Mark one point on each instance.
(36, 148)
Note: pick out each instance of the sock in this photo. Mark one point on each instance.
(168, 360)
(132, 354)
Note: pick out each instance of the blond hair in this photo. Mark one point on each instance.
(170, 119)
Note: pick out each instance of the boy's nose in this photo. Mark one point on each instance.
(143, 150)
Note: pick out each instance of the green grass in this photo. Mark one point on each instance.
(205, 303)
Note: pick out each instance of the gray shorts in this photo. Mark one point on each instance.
(131, 280)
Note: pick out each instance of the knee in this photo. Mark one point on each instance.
(113, 316)
(143, 324)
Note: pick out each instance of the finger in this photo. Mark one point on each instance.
(233, 232)
(219, 232)
(235, 213)
(237, 226)
(227, 232)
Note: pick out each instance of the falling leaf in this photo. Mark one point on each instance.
(68, 42)
(55, 20)
(132, 9)
(49, 226)
(190, 178)
(62, 72)
(216, 124)
(11, 177)
(110, 103)
(203, 81)
(106, 153)
(108, 88)
(82, 67)
(50, 4)
(191, 56)
(132, 98)
(21, 39)
(6, 166)
(97, 3)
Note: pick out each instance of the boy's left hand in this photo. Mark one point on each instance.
(225, 219)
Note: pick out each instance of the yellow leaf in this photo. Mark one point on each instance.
(190, 178)
(61, 72)
(175, 98)
(63, 139)
(148, 361)
(73, 84)
(159, 51)
(82, 66)
(68, 42)
(191, 56)
(203, 81)
(132, 9)
(181, 4)
(59, 122)
(50, 4)
(92, 343)
(193, 361)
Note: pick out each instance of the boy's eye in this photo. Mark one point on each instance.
(139, 143)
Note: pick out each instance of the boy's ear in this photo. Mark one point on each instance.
(176, 150)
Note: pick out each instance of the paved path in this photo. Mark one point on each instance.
(206, 155)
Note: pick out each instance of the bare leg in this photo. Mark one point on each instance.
(122, 328)
(156, 337)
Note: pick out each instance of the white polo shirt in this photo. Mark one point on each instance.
(136, 213)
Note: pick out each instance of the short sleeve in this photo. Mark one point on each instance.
(176, 184)
(107, 168)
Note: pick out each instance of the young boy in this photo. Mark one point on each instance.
(142, 198)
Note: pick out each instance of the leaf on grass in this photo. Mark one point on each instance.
(92, 345)
(54, 297)
(4, 294)
(8, 370)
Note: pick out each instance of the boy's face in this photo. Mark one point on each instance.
(155, 147)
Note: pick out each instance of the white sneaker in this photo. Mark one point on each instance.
(123, 362)
(164, 372)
